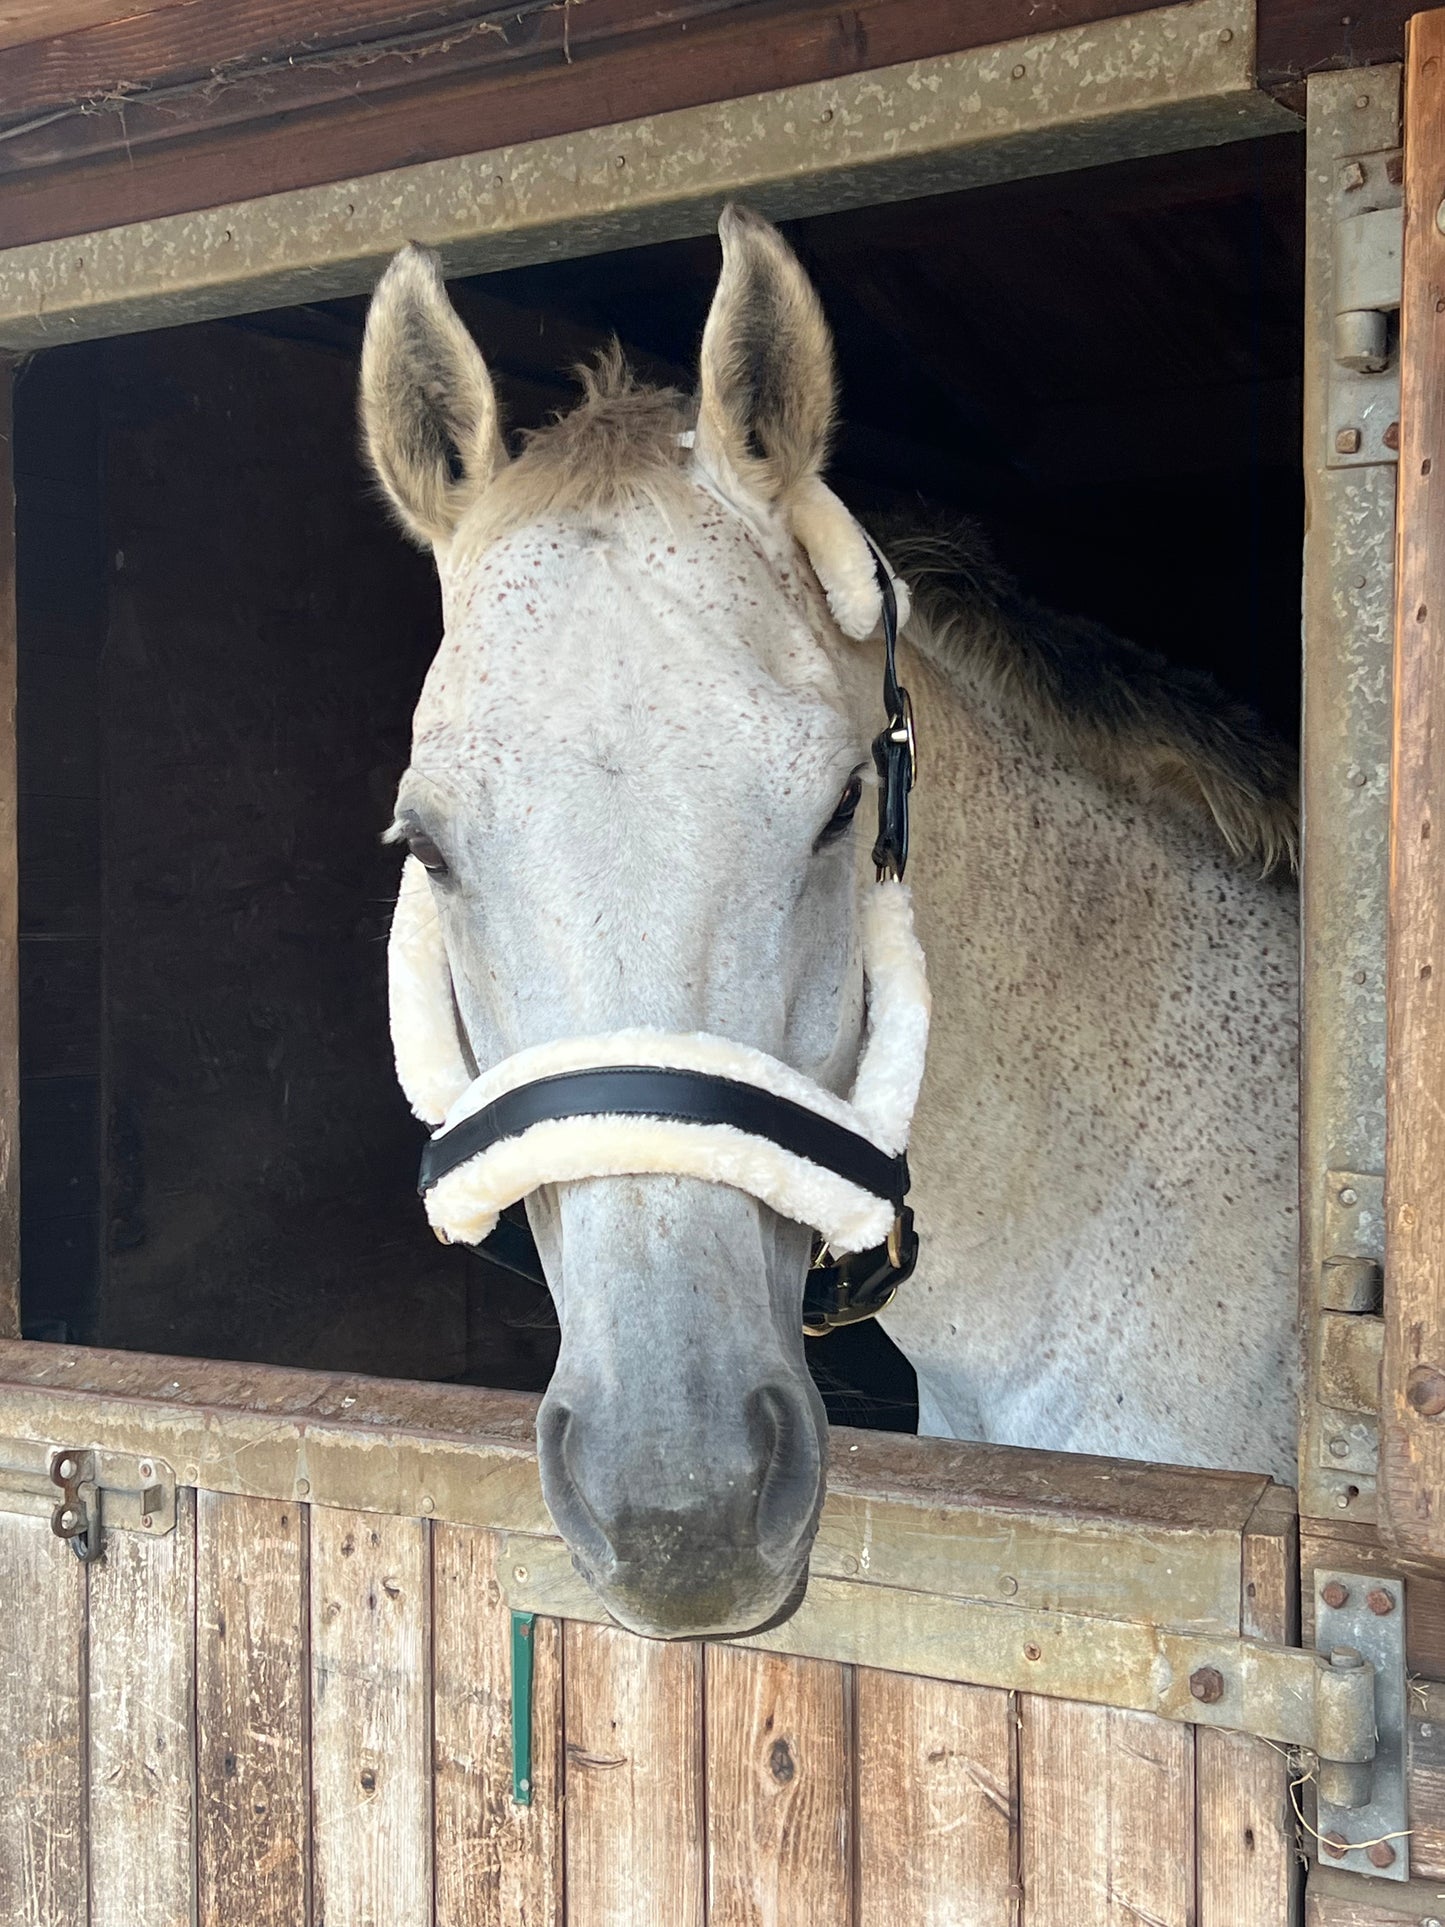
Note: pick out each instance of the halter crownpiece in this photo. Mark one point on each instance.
(687, 1104)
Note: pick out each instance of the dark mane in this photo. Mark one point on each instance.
(1123, 713)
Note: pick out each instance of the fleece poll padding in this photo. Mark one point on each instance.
(435, 1072)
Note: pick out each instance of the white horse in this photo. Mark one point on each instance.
(634, 768)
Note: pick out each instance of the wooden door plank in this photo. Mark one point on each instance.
(937, 1803)
(499, 1864)
(1107, 1817)
(42, 1683)
(779, 1793)
(9, 880)
(634, 1810)
(1412, 1413)
(142, 1727)
(370, 1724)
(1248, 1846)
(251, 1673)
(1335, 1899)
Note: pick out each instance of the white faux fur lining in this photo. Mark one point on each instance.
(842, 559)
(429, 1060)
(466, 1203)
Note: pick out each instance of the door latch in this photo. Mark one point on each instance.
(86, 1494)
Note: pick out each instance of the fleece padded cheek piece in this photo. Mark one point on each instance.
(851, 1201)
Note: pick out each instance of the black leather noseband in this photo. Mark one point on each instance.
(839, 1291)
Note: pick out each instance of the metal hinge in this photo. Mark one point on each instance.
(1325, 1703)
(1364, 388)
(85, 1494)
(1362, 1823)
(1351, 1339)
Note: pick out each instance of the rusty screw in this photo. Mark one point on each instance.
(1352, 175)
(1335, 1845)
(1381, 1854)
(1335, 1595)
(1425, 1390)
(1380, 1602)
(1347, 441)
(1031, 1651)
(1391, 436)
(1207, 1685)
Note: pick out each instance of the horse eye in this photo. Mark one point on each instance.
(839, 821)
(427, 854)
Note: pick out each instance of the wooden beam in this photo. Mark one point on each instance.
(26, 20)
(1412, 1415)
(9, 882)
(305, 125)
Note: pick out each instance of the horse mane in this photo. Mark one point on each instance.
(1129, 717)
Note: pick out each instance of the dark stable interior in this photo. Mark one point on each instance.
(222, 640)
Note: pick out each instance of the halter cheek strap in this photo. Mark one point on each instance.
(633, 1102)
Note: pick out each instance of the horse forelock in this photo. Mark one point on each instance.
(624, 444)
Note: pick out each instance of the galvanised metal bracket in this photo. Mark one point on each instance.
(1362, 1823)
(522, 1648)
(85, 1494)
(1364, 399)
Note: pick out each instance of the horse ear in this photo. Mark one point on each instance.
(767, 388)
(428, 410)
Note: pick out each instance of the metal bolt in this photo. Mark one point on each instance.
(1358, 779)
(1348, 1194)
(303, 1486)
(1339, 1448)
(1425, 1390)
(1335, 1845)
(1226, 34)
(622, 160)
(1019, 72)
(1007, 1584)
(1206, 1683)
(1031, 1651)
(1347, 441)
(1380, 1602)
(826, 115)
(1335, 1595)
(1352, 175)
(1391, 437)
(496, 180)
(1362, 101)
(1381, 1854)
(428, 1503)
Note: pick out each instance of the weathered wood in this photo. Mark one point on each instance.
(142, 1727)
(9, 883)
(498, 1863)
(937, 1803)
(22, 20)
(42, 1685)
(779, 1793)
(1412, 1415)
(1040, 1529)
(252, 1848)
(634, 1812)
(1335, 1899)
(370, 1720)
(1426, 1776)
(1107, 1804)
(687, 64)
(1247, 1848)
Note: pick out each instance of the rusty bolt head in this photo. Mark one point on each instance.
(1379, 1601)
(1381, 1854)
(1347, 441)
(1334, 1594)
(1206, 1683)
(1352, 175)
(1335, 1845)
(1033, 1651)
(1392, 435)
(1425, 1390)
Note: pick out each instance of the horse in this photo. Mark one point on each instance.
(636, 762)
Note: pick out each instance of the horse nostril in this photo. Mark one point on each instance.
(566, 1502)
(791, 1460)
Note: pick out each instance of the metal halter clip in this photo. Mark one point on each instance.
(895, 748)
